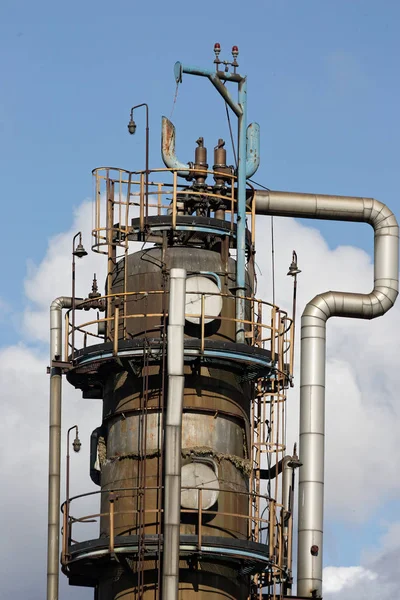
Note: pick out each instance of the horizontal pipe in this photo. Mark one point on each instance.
(287, 461)
(313, 351)
(179, 69)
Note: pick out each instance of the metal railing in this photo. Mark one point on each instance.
(267, 327)
(120, 195)
(265, 528)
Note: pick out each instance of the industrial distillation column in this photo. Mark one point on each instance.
(215, 426)
(225, 532)
(201, 371)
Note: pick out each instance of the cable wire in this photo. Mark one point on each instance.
(231, 134)
(259, 185)
(174, 101)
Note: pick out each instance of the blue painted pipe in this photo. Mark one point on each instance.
(241, 215)
(252, 149)
(248, 162)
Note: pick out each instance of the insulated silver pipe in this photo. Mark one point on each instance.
(53, 533)
(53, 528)
(173, 434)
(313, 353)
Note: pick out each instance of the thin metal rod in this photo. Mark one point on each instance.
(66, 506)
(241, 215)
(116, 328)
(293, 328)
(79, 234)
(273, 259)
(111, 515)
(147, 168)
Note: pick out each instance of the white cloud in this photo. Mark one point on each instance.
(338, 578)
(362, 378)
(53, 276)
(377, 578)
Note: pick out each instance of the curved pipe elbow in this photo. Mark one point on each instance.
(168, 149)
(61, 302)
(386, 243)
(252, 149)
(56, 308)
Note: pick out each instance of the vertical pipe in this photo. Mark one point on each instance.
(141, 205)
(287, 477)
(53, 533)
(200, 509)
(111, 500)
(173, 434)
(111, 250)
(241, 214)
(174, 193)
(116, 328)
(313, 352)
(73, 301)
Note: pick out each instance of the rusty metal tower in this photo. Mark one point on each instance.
(195, 486)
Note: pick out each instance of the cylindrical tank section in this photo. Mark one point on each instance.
(215, 424)
(146, 286)
(211, 581)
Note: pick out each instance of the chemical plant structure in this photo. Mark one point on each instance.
(195, 484)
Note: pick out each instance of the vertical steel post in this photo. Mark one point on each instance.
(247, 166)
(241, 214)
(53, 528)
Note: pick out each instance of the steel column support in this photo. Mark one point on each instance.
(241, 214)
(248, 160)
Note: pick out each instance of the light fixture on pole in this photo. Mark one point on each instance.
(132, 130)
(293, 272)
(79, 251)
(76, 444)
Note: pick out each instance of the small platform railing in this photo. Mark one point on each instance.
(266, 528)
(266, 326)
(120, 196)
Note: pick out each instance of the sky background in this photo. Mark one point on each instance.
(323, 83)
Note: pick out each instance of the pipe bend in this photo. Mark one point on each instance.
(168, 149)
(380, 215)
(313, 335)
(252, 149)
(61, 302)
(347, 304)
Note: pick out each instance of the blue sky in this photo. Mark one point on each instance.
(323, 82)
